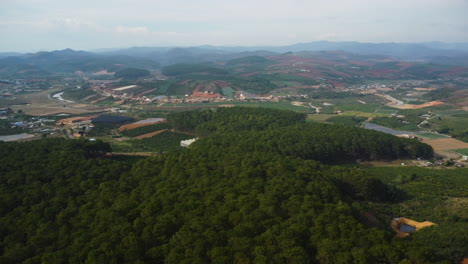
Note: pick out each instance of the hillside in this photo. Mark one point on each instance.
(225, 199)
(67, 61)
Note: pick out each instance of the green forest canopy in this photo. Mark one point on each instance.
(220, 201)
(131, 73)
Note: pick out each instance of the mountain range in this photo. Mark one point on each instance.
(67, 60)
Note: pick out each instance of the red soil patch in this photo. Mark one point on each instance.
(361, 63)
(146, 92)
(133, 126)
(197, 94)
(404, 64)
(446, 143)
(99, 99)
(205, 95)
(250, 74)
(197, 88)
(413, 106)
(222, 84)
(151, 134)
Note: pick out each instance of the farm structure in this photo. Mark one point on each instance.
(404, 226)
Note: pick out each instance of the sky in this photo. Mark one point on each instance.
(34, 25)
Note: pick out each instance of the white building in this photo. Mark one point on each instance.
(188, 142)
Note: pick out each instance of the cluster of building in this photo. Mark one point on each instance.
(124, 94)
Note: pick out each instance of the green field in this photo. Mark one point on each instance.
(368, 108)
(461, 151)
(386, 111)
(319, 117)
(431, 135)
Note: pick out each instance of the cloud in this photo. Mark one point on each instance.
(241, 22)
(132, 30)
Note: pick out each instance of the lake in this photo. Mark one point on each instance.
(385, 129)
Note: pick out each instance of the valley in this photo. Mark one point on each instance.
(298, 157)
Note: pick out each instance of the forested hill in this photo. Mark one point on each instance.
(65, 201)
(285, 133)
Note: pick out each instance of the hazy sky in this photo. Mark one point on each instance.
(32, 25)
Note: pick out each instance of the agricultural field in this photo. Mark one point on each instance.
(431, 135)
(41, 104)
(319, 117)
(446, 146)
(463, 151)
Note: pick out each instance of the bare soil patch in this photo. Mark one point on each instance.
(135, 125)
(446, 143)
(424, 89)
(419, 106)
(443, 146)
(151, 134)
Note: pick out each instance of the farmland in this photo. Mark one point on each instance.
(446, 146)
(41, 104)
(328, 86)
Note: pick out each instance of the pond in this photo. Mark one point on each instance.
(407, 228)
(385, 129)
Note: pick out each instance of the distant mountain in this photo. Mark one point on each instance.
(424, 52)
(462, 46)
(9, 54)
(69, 60)
(191, 55)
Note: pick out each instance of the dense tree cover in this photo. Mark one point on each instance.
(247, 200)
(288, 78)
(131, 73)
(180, 208)
(187, 69)
(248, 60)
(163, 142)
(347, 120)
(233, 119)
(254, 84)
(436, 195)
(328, 143)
